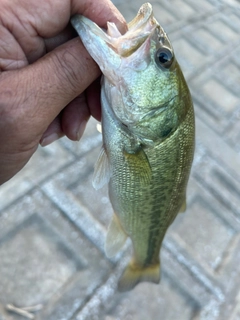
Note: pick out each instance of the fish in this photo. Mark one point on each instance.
(148, 137)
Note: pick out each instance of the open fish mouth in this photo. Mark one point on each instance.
(139, 30)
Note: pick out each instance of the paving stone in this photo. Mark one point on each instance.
(82, 172)
(76, 212)
(223, 31)
(217, 100)
(53, 223)
(151, 302)
(37, 246)
(19, 262)
(10, 193)
(222, 184)
(226, 155)
(234, 19)
(215, 91)
(200, 227)
(45, 162)
(208, 43)
(166, 17)
(183, 11)
(204, 6)
(188, 56)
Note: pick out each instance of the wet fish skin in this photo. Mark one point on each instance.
(148, 137)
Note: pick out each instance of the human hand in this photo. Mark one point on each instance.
(48, 85)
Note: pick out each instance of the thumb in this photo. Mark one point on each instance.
(34, 95)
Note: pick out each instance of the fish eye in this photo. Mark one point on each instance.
(164, 57)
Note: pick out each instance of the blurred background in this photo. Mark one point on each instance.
(53, 223)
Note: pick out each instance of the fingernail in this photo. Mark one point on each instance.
(81, 130)
(49, 139)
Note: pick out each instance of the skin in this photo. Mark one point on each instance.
(48, 82)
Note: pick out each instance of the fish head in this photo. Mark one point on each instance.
(143, 82)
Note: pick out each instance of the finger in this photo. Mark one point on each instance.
(67, 34)
(75, 117)
(70, 70)
(43, 20)
(35, 95)
(100, 12)
(110, 14)
(71, 122)
(53, 132)
(93, 99)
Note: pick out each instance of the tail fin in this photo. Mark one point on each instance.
(133, 275)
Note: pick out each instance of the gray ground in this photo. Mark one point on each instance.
(53, 223)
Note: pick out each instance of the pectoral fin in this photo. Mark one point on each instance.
(102, 172)
(116, 237)
(139, 165)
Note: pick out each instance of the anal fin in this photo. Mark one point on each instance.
(116, 237)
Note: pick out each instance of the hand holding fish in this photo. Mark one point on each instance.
(47, 89)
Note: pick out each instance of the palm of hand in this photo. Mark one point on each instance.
(25, 29)
(47, 86)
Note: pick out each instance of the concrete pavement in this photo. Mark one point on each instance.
(53, 223)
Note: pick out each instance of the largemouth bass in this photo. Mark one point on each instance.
(148, 137)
